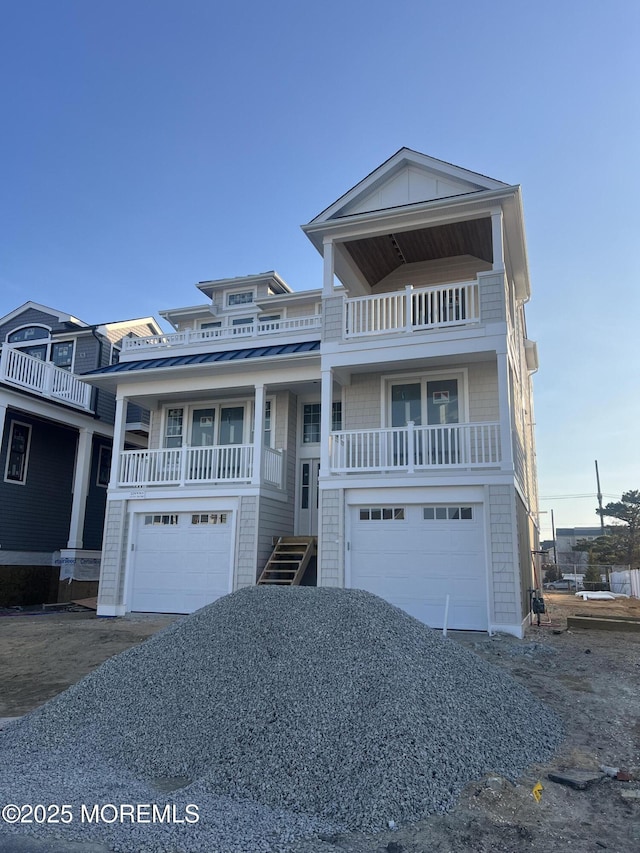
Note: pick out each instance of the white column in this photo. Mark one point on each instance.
(329, 269)
(504, 402)
(258, 434)
(326, 400)
(80, 487)
(497, 239)
(119, 431)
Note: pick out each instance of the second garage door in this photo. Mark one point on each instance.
(415, 555)
(181, 561)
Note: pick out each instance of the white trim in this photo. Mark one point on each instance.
(27, 326)
(23, 482)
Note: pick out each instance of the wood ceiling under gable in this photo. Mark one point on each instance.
(379, 256)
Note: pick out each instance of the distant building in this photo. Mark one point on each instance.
(566, 538)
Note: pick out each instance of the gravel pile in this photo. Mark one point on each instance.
(281, 714)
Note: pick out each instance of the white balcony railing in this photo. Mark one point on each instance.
(194, 337)
(43, 377)
(191, 465)
(415, 448)
(413, 309)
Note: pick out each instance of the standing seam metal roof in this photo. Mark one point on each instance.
(208, 357)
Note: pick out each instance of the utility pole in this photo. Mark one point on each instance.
(599, 501)
(553, 535)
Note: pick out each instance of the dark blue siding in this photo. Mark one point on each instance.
(96, 501)
(35, 516)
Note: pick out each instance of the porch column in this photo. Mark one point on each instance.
(329, 266)
(326, 401)
(258, 434)
(80, 487)
(504, 403)
(497, 239)
(119, 431)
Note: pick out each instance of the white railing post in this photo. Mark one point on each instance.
(408, 308)
(258, 434)
(411, 447)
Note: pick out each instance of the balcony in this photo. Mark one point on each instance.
(415, 448)
(182, 466)
(198, 337)
(412, 310)
(43, 378)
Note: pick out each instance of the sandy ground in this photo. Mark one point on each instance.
(592, 678)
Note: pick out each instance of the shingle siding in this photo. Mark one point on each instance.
(247, 539)
(331, 540)
(505, 574)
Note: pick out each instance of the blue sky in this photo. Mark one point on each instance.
(148, 145)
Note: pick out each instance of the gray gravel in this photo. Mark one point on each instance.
(282, 714)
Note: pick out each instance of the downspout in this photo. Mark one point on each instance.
(96, 391)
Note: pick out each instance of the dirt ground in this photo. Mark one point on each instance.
(590, 677)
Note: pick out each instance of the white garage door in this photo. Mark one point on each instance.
(414, 556)
(181, 561)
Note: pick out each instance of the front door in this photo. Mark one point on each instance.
(307, 515)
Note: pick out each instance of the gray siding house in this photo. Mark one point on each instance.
(56, 435)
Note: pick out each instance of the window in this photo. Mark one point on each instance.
(162, 520)
(268, 318)
(311, 423)
(173, 428)
(115, 354)
(447, 513)
(434, 402)
(244, 298)
(104, 466)
(18, 453)
(209, 518)
(214, 324)
(204, 425)
(336, 416)
(382, 513)
(267, 423)
(242, 321)
(29, 333)
(62, 354)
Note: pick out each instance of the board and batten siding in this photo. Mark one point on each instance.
(35, 515)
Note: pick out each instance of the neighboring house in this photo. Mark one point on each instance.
(388, 413)
(567, 559)
(55, 452)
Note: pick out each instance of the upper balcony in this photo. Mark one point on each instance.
(43, 378)
(412, 310)
(199, 338)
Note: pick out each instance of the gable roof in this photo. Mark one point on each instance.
(408, 177)
(36, 306)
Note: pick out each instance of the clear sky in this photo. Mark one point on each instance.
(150, 144)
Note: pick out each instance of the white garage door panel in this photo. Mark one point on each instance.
(415, 563)
(178, 568)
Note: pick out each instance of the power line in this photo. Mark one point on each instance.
(573, 497)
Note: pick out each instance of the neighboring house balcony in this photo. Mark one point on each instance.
(191, 339)
(416, 448)
(209, 465)
(412, 310)
(43, 378)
